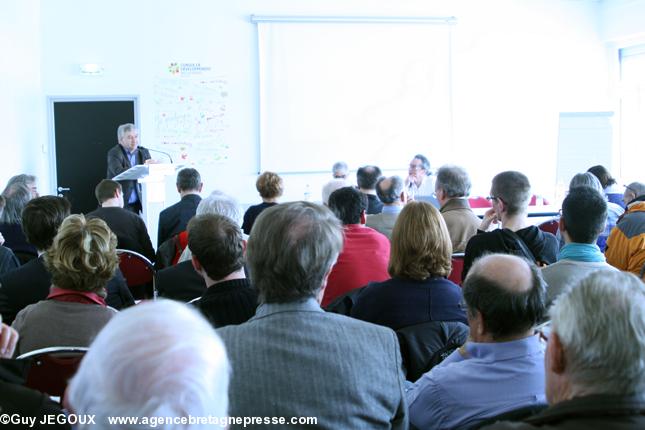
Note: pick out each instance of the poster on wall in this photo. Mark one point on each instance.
(190, 103)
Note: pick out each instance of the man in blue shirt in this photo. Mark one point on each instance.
(501, 367)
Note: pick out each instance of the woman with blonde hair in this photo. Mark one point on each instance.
(81, 261)
(270, 186)
(420, 261)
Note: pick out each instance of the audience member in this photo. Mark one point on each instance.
(594, 359)
(8, 260)
(365, 252)
(292, 359)
(81, 261)
(130, 230)
(419, 183)
(16, 196)
(632, 192)
(181, 282)
(159, 360)
(174, 219)
(610, 187)
(30, 283)
(16, 400)
(452, 189)
(126, 154)
(501, 367)
(218, 256)
(584, 212)
(420, 260)
(366, 178)
(339, 173)
(270, 186)
(29, 180)
(614, 211)
(391, 192)
(510, 194)
(626, 242)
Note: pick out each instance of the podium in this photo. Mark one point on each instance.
(158, 191)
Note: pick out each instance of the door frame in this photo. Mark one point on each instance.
(51, 126)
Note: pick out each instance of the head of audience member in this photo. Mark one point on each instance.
(366, 178)
(349, 205)
(16, 196)
(633, 191)
(292, 250)
(421, 245)
(128, 137)
(41, 219)
(83, 255)
(452, 182)
(340, 170)
(189, 181)
(217, 246)
(603, 175)
(270, 186)
(419, 168)
(220, 203)
(158, 359)
(584, 214)
(510, 195)
(586, 179)
(332, 186)
(505, 298)
(597, 339)
(109, 194)
(391, 191)
(29, 180)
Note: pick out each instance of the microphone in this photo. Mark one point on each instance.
(156, 150)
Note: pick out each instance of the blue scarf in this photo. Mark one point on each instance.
(587, 252)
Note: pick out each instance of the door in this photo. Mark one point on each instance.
(84, 131)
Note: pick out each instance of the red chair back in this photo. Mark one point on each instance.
(138, 272)
(479, 202)
(52, 368)
(457, 268)
(550, 226)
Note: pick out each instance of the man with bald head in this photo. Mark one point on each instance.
(391, 191)
(501, 367)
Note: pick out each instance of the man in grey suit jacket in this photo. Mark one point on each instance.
(391, 191)
(294, 360)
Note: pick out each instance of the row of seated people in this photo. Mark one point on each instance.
(292, 359)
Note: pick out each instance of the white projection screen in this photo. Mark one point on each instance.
(358, 91)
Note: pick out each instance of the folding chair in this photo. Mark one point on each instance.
(457, 268)
(51, 368)
(139, 274)
(550, 226)
(479, 202)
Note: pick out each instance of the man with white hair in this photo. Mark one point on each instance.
(339, 171)
(156, 361)
(181, 281)
(595, 377)
(626, 242)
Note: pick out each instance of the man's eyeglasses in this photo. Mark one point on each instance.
(416, 166)
(491, 198)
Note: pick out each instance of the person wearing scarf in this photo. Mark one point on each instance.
(584, 214)
(81, 261)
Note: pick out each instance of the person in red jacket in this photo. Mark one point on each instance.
(365, 253)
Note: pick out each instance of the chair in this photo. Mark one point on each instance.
(138, 272)
(457, 268)
(425, 345)
(51, 368)
(343, 304)
(550, 226)
(534, 201)
(479, 202)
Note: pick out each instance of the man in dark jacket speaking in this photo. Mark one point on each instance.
(121, 157)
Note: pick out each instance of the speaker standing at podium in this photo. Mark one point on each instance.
(121, 157)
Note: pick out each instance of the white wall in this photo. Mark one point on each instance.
(22, 108)
(517, 64)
